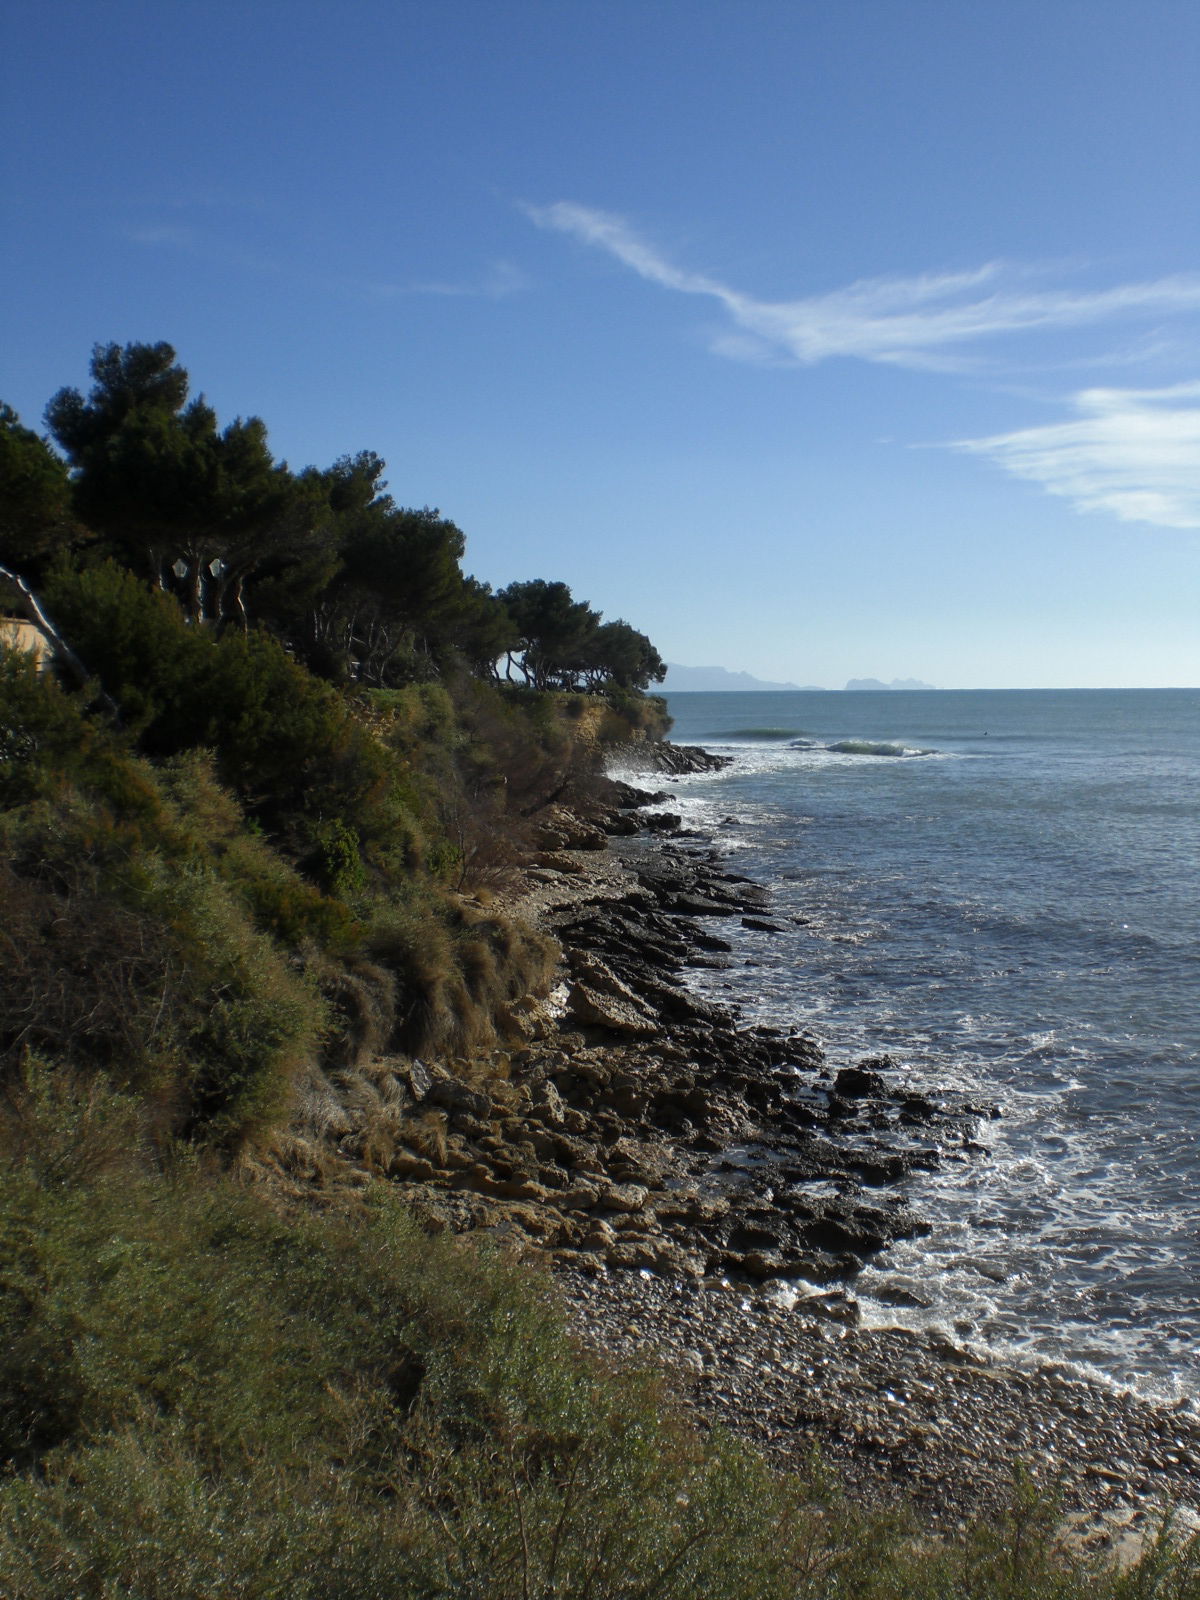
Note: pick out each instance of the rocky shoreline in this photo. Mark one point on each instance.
(705, 1194)
(895, 1414)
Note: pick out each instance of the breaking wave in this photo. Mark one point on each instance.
(865, 747)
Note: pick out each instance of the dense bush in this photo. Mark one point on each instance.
(153, 933)
(200, 1396)
(309, 1406)
(137, 937)
(283, 741)
(145, 964)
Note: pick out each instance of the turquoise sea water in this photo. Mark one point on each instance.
(1000, 890)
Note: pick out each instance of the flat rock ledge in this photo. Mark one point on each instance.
(684, 1175)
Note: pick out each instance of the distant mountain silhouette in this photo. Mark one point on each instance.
(896, 683)
(712, 680)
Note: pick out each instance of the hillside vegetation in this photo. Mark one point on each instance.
(237, 845)
(250, 831)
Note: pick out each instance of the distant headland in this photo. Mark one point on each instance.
(896, 683)
(713, 680)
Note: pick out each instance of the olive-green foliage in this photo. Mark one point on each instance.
(283, 903)
(284, 742)
(35, 498)
(47, 744)
(523, 741)
(196, 1389)
(458, 969)
(644, 714)
(129, 1297)
(474, 763)
(148, 967)
(129, 942)
(200, 1395)
(176, 924)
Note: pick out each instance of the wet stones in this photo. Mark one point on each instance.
(628, 797)
(652, 756)
(614, 1013)
(625, 1197)
(892, 1413)
(455, 1096)
(661, 821)
(853, 1083)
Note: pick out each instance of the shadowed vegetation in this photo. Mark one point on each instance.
(204, 1395)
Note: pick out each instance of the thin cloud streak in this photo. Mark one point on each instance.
(911, 322)
(181, 238)
(500, 280)
(203, 246)
(1133, 453)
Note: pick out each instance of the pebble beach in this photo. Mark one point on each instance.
(894, 1415)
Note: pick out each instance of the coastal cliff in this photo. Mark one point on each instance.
(707, 1192)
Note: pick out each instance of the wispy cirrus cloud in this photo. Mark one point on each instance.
(1134, 453)
(1131, 453)
(925, 321)
(502, 278)
(187, 240)
(495, 281)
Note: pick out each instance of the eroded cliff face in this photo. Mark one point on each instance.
(602, 724)
(621, 1122)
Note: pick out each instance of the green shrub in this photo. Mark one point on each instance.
(457, 970)
(123, 952)
(641, 713)
(283, 903)
(176, 927)
(48, 743)
(284, 742)
(201, 1395)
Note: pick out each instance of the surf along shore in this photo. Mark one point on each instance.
(706, 1192)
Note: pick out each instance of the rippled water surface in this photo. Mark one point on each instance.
(1000, 890)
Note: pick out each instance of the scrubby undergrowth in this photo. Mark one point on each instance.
(204, 909)
(205, 1395)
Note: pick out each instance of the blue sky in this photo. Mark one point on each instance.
(816, 340)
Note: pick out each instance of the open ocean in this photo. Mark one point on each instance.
(1000, 890)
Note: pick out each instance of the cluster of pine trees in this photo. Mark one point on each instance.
(287, 738)
(356, 586)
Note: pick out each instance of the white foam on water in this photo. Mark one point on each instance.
(1067, 1242)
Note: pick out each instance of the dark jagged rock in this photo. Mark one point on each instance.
(617, 823)
(662, 821)
(649, 1128)
(853, 1083)
(627, 797)
(654, 755)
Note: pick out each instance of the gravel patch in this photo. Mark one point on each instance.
(897, 1415)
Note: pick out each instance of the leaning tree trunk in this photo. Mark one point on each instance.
(36, 613)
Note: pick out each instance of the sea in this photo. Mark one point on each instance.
(1000, 891)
